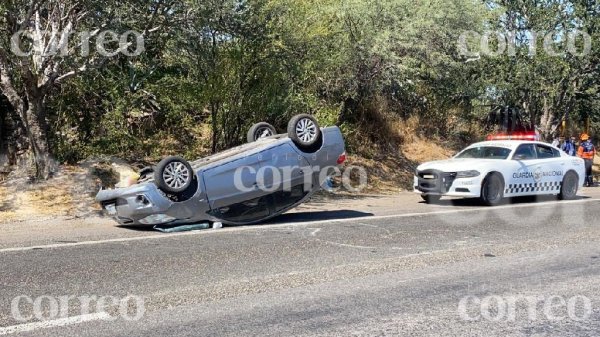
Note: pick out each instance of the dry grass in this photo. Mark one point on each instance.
(384, 176)
(35, 200)
(197, 144)
(69, 193)
(418, 149)
(391, 158)
(422, 150)
(6, 212)
(47, 201)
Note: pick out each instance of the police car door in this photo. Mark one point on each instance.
(524, 163)
(550, 171)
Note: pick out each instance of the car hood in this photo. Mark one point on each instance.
(455, 165)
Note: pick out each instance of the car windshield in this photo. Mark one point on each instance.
(485, 152)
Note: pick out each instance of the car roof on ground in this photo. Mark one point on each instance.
(510, 144)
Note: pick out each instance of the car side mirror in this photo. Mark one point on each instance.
(520, 157)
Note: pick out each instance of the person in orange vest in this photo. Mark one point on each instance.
(587, 151)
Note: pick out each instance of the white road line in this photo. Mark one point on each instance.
(97, 242)
(291, 224)
(54, 323)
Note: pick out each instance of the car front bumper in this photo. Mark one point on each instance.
(435, 182)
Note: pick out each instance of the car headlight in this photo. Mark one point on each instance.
(156, 219)
(468, 174)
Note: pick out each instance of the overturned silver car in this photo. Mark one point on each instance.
(247, 184)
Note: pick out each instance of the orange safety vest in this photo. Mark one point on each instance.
(586, 151)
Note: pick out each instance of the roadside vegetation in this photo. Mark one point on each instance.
(390, 73)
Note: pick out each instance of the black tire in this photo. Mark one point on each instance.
(173, 175)
(492, 189)
(260, 130)
(569, 187)
(431, 198)
(146, 172)
(304, 130)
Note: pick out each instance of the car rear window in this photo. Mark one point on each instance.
(525, 152)
(545, 152)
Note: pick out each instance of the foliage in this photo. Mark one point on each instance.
(211, 68)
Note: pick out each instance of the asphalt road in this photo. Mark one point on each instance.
(382, 267)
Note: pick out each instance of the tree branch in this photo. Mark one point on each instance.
(7, 86)
(30, 11)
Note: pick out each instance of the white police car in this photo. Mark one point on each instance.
(493, 170)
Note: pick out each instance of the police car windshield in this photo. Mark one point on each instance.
(485, 152)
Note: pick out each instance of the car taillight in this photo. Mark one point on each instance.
(342, 158)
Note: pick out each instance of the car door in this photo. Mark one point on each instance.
(232, 182)
(550, 170)
(524, 163)
(287, 176)
(282, 169)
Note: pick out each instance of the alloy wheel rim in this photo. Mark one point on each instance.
(306, 130)
(176, 175)
(263, 133)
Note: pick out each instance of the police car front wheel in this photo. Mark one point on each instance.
(492, 190)
(431, 198)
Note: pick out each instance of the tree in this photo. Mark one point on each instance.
(543, 77)
(47, 42)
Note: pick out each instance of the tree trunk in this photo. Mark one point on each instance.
(547, 120)
(25, 132)
(37, 132)
(14, 139)
(4, 132)
(214, 126)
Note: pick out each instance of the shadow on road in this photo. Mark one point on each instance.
(285, 218)
(316, 216)
(474, 202)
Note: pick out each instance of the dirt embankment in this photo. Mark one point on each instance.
(65, 194)
(390, 149)
(70, 192)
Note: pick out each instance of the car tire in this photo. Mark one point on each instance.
(146, 172)
(492, 190)
(304, 131)
(431, 198)
(173, 175)
(260, 130)
(569, 186)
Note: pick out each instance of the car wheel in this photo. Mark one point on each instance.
(569, 187)
(304, 131)
(260, 130)
(173, 175)
(431, 198)
(492, 189)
